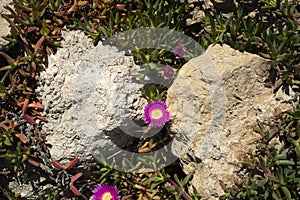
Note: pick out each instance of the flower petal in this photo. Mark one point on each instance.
(156, 114)
(103, 192)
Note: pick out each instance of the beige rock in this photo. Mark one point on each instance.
(215, 101)
(4, 25)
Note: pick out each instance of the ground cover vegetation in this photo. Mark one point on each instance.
(269, 28)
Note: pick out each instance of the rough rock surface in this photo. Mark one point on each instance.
(4, 25)
(224, 96)
(86, 91)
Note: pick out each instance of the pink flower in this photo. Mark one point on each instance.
(179, 51)
(105, 192)
(168, 71)
(156, 114)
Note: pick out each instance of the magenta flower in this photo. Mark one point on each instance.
(168, 71)
(179, 51)
(105, 192)
(156, 114)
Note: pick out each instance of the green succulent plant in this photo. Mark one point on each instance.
(158, 184)
(271, 30)
(274, 168)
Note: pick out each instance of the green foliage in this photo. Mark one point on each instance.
(154, 92)
(12, 146)
(34, 26)
(274, 171)
(150, 184)
(6, 137)
(271, 30)
(102, 19)
(8, 195)
(50, 196)
(34, 33)
(16, 156)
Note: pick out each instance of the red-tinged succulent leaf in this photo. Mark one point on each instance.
(7, 57)
(49, 50)
(5, 172)
(60, 14)
(127, 197)
(23, 7)
(37, 114)
(34, 156)
(3, 126)
(23, 17)
(73, 7)
(29, 119)
(11, 123)
(72, 163)
(120, 6)
(39, 43)
(12, 24)
(25, 104)
(33, 162)
(36, 105)
(24, 40)
(77, 176)
(75, 190)
(30, 29)
(55, 32)
(57, 164)
(33, 65)
(25, 74)
(21, 137)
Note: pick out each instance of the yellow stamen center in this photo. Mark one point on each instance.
(106, 196)
(156, 114)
